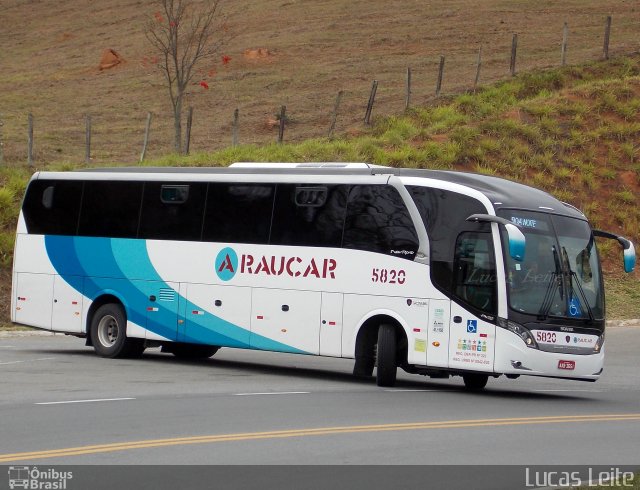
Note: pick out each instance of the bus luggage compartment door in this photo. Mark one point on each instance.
(285, 320)
(331, 324)
(67, 306)
(34, 299)
(162, 309)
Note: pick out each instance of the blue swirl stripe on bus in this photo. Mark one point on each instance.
(94, 266)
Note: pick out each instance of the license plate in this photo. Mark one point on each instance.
(568, 365)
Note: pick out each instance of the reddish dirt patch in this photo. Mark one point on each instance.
(629, 179)
(271, 123)
(440, 138)
(514, 115)
(257, 54)
(110, 59)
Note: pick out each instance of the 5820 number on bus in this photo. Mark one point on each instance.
(388, 276)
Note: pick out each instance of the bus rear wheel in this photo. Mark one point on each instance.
(475, 382)
(386, 356)
(109, 333)
(192, 351)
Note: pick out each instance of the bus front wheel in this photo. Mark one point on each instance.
(386, 357)
(475, 382)
(109, 333)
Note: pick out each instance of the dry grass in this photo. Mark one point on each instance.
(51, 51)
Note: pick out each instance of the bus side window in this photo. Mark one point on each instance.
(172, 211)
(378, 221)
(110, 209)
(238, 213)
(309, 215)
(52, 207)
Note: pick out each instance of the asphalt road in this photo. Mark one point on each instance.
(247, 407)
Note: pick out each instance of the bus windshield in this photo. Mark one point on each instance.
(560, 274)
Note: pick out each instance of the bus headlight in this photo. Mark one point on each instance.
(520, 330)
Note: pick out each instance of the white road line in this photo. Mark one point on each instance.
(26, 360)
(84, 401)
(275, 393)
(412, 391)
(567, 391)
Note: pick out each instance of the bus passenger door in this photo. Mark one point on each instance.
(67, 306)
(472, 341)
(285, 320)
(438, 333)
(162, 309)
(331, 324)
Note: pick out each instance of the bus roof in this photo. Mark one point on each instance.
(501, 192)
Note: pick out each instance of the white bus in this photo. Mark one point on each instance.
(438, 273)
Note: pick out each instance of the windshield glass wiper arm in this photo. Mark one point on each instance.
(583, 296)
(556, 280)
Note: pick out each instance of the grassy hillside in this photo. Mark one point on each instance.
(51, 52)
(574, 132)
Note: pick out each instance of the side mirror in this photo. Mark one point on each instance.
(628, 250)
(517, 241)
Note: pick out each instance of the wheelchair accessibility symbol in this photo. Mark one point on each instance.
(472, 326)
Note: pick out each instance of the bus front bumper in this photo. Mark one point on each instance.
(513, 357)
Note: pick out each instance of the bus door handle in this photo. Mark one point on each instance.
(152, 298)
(457, 319)
(285, 307)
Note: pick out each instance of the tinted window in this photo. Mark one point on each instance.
(52, 207)
(238, 213)
(172, 211)
(445, 216)
(110, 209)
(310, 215)
(475, 271)
(378, 221)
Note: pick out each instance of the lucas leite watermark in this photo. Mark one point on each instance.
(33, 478)
(612, 477)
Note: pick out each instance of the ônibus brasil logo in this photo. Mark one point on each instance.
(226, 264)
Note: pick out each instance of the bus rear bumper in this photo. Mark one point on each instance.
(514, 357)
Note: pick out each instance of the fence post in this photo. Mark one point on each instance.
(145, 142)
(30, 140)
(607, 34)
(187, 141)
(87, 138)
(478, 65)
(440, 75)
(283, 111)
(372, 98)
(563, 50)
(407, 99)
(1, 143)
(334, 115)
(234, 127)
(514, 49)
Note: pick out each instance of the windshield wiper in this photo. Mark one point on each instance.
(582, 295)
(556, 280)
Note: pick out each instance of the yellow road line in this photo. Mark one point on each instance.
(322, 431)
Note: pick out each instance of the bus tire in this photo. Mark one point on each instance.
(387, 354)
(475, 381)
(192, 351)
(109, 333)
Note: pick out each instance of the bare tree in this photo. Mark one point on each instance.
(185, 33)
